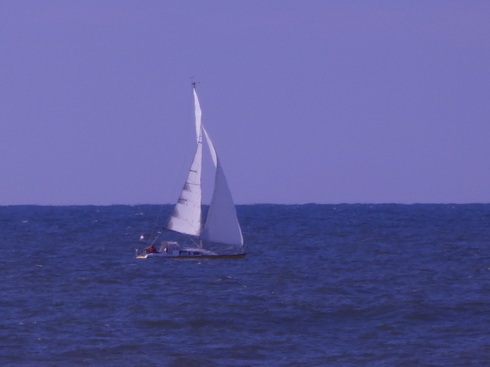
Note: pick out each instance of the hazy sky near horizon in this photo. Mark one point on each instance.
(306, 101)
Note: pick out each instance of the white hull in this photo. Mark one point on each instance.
(190, 253)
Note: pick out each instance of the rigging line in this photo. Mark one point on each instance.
(155, 233)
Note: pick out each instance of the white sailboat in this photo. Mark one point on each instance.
(221, 225)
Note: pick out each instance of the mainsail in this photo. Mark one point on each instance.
(186, 217)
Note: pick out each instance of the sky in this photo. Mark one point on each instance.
(340, 101)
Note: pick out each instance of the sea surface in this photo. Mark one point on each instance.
(322, 285)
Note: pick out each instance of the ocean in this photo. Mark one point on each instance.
(322, 285)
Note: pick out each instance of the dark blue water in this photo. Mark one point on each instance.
(323, 285)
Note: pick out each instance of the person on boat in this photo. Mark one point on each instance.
(151, 250)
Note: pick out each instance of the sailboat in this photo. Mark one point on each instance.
(221, 224)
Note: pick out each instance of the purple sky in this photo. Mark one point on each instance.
(306, 101)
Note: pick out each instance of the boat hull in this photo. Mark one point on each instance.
(190, 257)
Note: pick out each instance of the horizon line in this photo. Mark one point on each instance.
(263, 203)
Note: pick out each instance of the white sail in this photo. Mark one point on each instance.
(186, 217)
(221, 223)
(198, 115)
